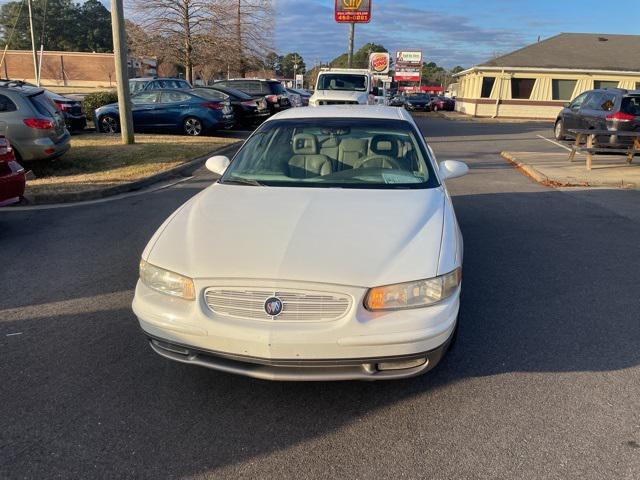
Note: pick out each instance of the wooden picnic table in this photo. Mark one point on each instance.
(589, 136)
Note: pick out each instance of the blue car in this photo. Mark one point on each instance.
(190, 112)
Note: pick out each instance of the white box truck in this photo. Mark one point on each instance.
(344, 86)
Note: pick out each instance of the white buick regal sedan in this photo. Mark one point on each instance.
(328, 250)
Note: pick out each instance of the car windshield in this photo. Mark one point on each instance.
(337, 81)
(419, 96)
(345, 153)
(136, 86)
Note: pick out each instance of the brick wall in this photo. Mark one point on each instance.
(62, 68)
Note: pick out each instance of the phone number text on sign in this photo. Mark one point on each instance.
(353, 11)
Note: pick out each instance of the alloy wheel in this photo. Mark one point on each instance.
(109, 124)
(193, 127)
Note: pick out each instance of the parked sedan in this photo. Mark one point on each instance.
(193, 113)
(309, 262)
(74, 117)
(418, 101)
(248, 111)
(294, 97)
(304, 95)
(12, 176)
(398, 100)
(603, 109)
(442, 104)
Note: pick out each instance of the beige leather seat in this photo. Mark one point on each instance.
(351, 150)
(307, 163)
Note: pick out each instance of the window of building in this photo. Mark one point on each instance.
(521, 88)
(604, 84)
(563, 89)
(487, 86)
(637, 85)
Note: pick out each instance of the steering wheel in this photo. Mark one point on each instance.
(379, 161)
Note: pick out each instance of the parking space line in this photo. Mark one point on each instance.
(555, 143)
(114, 198)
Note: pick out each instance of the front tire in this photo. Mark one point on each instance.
(559, 131)
(109, 124)
(193, 127)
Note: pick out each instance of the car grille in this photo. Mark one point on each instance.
(298, 306)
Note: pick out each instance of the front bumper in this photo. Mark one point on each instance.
(405, 366)
(297, 350)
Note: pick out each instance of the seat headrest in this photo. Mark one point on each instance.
(305, 144)
(386, 145)
(353, 145)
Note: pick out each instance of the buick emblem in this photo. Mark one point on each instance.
(273, 306)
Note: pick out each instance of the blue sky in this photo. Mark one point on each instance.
(449, 32)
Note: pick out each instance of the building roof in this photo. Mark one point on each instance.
(577, 51)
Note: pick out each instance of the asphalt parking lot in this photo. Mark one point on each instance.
(544, 381)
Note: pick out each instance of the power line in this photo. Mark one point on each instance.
(13, 31)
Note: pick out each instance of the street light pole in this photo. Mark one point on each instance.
(120, 57)
(33, 44)
(352, 35)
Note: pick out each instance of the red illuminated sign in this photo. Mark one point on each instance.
(353, 11)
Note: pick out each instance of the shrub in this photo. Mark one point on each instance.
(97, 100)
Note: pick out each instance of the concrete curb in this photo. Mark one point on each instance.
(559, 182)
(180, 170)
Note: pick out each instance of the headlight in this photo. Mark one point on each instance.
(166, 282)
(421, 293)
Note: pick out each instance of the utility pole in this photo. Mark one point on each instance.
(33, 44)
(352, 35)
(122, 77)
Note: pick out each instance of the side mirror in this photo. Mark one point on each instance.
(218, 164)
(452, 169)
(375, 91)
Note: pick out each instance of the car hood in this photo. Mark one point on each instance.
(336, 236)
(338, 95)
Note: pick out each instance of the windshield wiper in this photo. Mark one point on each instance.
(243, 181)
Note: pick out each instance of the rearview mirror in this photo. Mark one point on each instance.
(452, 169)
(218, 164)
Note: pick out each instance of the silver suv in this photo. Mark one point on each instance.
(31, 122)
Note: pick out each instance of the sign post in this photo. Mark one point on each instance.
(352, 12)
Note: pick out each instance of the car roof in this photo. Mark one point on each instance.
(149, 79)
(345, 111)
(228, 90)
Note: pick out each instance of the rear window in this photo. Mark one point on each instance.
(43, 105)
(631, 105)
(276, 88)
(237, 93)
(210, 94)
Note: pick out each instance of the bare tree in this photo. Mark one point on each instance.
(176, 23)
(245, 28)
